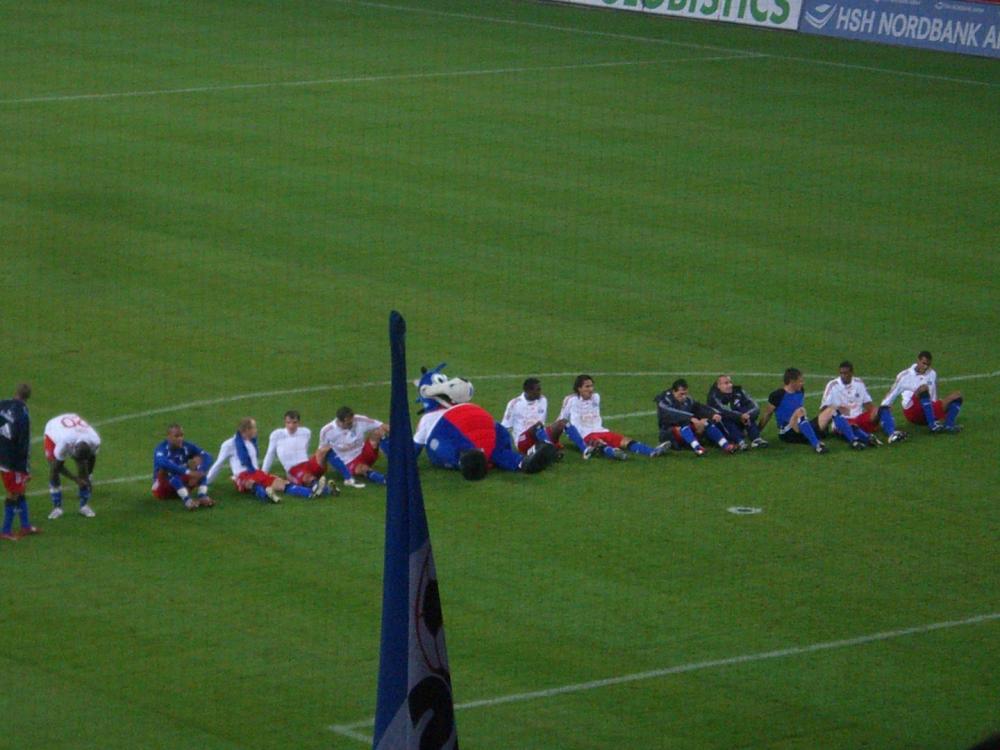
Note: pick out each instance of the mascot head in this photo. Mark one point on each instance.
(437, 391)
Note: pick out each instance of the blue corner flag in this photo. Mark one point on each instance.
(415, 706)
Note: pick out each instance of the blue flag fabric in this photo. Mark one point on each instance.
(415, 705)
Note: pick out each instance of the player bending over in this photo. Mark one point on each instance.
(581, 413)
(69, 436)
(918, 386)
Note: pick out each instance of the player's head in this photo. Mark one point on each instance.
(82, 452)
(724, 383)
(175, 435)
(345, 416)
(846, 372)
(532, 389)
(583, 386)
(292, 419)
(793, 377)
(247, 428)
(22, 392)
(924, 360)
(679, 388)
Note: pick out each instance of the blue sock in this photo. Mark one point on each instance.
(953, 409)
(844, 428)
(641, 448)
(56, 494)
(716, 435)
(608, 451)
(861, 435)
(576, 437)
(260, 492)
(334, 460)
(84, 496)
(928, 407)
(8, 516)
(689, 437)
(298, 490)
(383, 445)
(541, 435)
(807, 429)
(22, 512)
(753, 431)
(885, 417)
(376, 477)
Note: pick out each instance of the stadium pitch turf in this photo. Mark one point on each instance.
(208, 211)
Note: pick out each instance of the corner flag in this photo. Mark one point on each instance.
(415, 707)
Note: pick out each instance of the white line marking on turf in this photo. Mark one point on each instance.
(348, 730)
(367, 79)
(669, 42)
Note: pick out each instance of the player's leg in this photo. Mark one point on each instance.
(690, 437)
(923, 397)
(85, 469)
(362, 465)
(807, 429)
(952, 405)
(55, 484)
(716, 436)
(283, 485)
(841, 426)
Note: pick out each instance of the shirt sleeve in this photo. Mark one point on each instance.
(225, 451)
(896, 389)
(508, 415)
(272, 451)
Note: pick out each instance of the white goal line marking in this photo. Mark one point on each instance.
(733, 55)
(349, 729)
(668, 42)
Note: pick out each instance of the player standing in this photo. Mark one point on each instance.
(354, 440)
(69, 436)
(917, 385)
(15, 450)
(581, 412)
(290, 444)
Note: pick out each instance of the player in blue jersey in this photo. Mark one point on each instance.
(180, 467)
(787, 406)
(15, 450)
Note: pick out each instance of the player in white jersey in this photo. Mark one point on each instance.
(849, 395)
(355, 439)
(917, 385)
(525, 418)
(290, 445)
(581, 415)
(69, 436)
(241, 452)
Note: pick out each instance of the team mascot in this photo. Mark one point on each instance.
(461, 435)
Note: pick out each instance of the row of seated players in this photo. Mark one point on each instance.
(730, 418)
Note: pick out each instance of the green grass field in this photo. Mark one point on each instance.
(208, 210)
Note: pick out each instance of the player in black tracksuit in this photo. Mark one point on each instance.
(683, 420)
(739, 413)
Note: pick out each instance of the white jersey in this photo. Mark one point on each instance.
(522, 414)
(583, 414)
(291, 450)
(66, 431)
(348, 443)
(907, 382)
(227, 452)
(851, 396)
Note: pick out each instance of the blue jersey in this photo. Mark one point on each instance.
(15, 435)
(174, 461)
(785, 404)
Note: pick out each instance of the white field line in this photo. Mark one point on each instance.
(368, 79)
(349, 729)
(668, 42)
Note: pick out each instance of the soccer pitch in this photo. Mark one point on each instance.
(208, 211)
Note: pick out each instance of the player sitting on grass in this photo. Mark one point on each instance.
(850, 397)
(918, 386)
(178, 468)
(787, 406)
(525, 418)
(353, 439)
(69, 436)
(290, 445)
(15, 450)
(683, 420)
(241, 452)
(581, 414)
(739, 412)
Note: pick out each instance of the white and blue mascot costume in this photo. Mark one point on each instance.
(461, 435)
